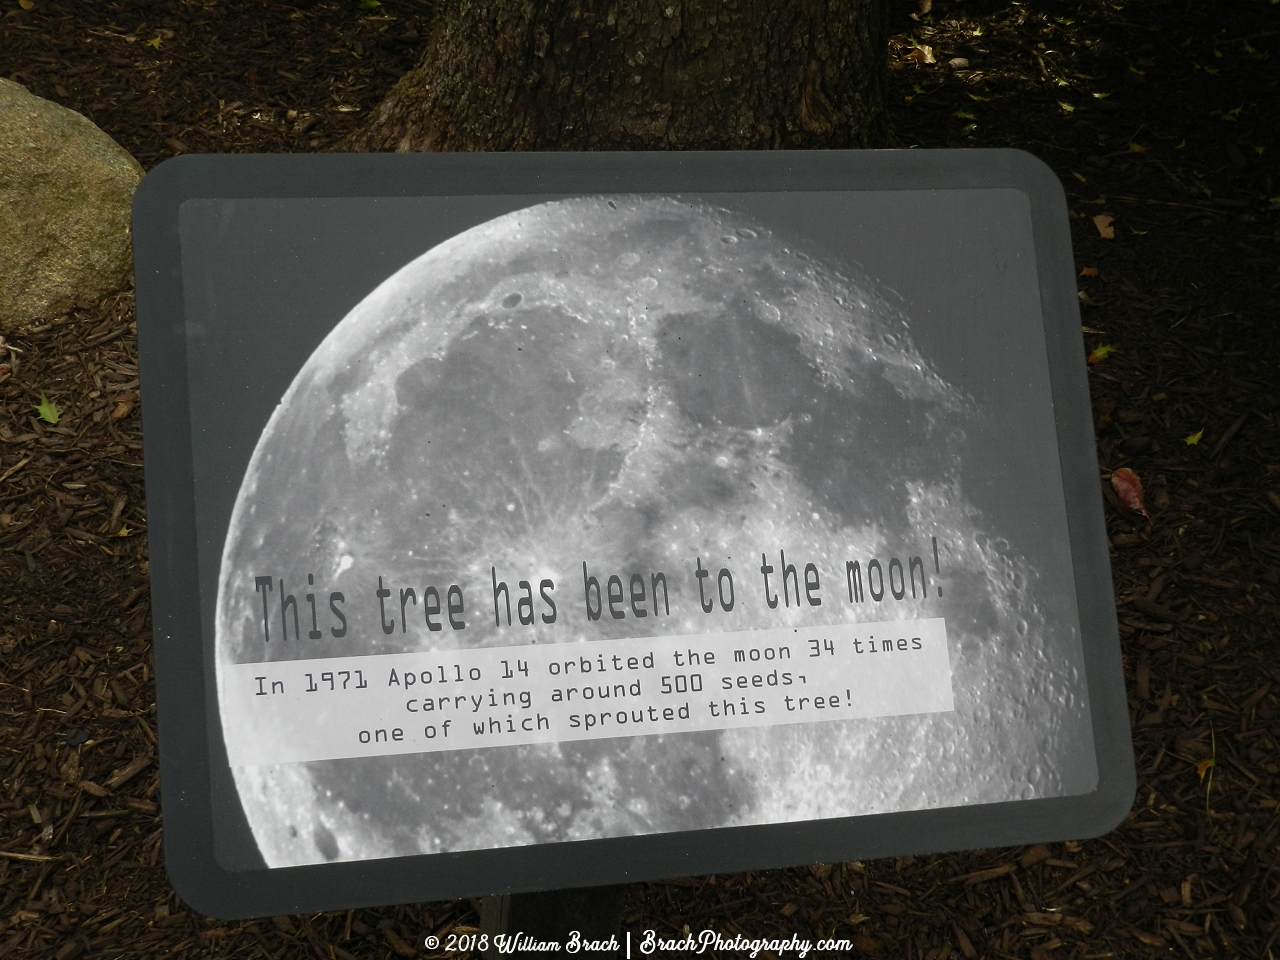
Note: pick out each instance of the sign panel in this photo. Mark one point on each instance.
(535, 521)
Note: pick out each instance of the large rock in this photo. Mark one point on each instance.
(65, 190)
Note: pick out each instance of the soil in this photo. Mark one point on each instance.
(1162, 118)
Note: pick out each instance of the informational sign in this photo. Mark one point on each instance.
(536, 521)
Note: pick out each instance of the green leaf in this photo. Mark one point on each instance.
(369, 4)
(1101, 352)
(47, 410)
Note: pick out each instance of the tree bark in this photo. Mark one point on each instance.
(641, 75)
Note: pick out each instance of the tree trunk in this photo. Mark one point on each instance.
(641, 75)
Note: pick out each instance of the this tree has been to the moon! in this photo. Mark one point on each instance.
(635, 383)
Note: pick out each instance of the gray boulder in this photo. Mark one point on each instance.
(65, 190)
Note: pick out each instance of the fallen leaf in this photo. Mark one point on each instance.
(1101, 352)
(1194, 438)
(1087, 300)
(27, 4)
(1066, 107)
(1137, 148)
(153, 44)
(1103, 222)
(48, 411)
(958, 63)
(1089, 272)
(1204, 766)
(964, 115)
(1080, 176)
(921, 53)
(1129, 489)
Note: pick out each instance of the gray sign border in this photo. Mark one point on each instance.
(194, 781)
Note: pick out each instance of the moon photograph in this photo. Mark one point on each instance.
(584, 428)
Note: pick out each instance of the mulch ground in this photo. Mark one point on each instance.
(1162, 120)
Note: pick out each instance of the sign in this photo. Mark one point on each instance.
(531, 521)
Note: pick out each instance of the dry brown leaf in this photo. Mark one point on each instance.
(1103, 222)
(922, 53)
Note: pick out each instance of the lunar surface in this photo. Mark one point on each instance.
(634, 382)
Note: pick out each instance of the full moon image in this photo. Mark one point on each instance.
(636, 384)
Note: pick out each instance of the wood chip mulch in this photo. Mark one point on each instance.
(1162, 119)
